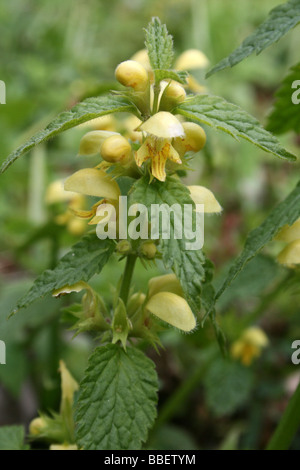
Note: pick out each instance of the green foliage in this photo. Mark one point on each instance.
(117, 400)
(287, 212)
(12, 438)
(285, 115)
(227, 117)
(171, 75)
(279, 22)
(159, 44)
(86, 258)
(188, 265)
(89, 109)
(228, 386)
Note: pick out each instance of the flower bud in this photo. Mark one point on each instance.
(116, 149)
(63, 447)
(132, 74)
(290, 255)
(172, 309)
(142, 58)
(164, 283)
(172, 95)
(121, 325)
(202, 195)
(91, 142)
(191, 59)
(249, 346)
(148, 250)
(194, 140)
(135, 302)
(37, 426)
(124, 247)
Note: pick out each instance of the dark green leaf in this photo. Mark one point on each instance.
(227, 117)
(85, 259)
(228, 386)
(286, 114)
(82, 112)
(117, 400)
(171, 75)
(280, 20)
(188, 265)
(159, 44)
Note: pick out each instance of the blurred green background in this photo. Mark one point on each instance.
(55, 53)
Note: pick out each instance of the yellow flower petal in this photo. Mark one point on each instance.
(93, 182)
(68, 385)
(202, 195)
(289, 233)
(255, 336)
(164, 283)
(91, 142)
(55, 193)
(163, 125)
(142, 58)
(290, 255)
(172, 309)
(191, 59)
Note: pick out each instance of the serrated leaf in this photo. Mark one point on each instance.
(227, 117)
(12, 438)
(287, 212)
(188, 265)
(227, 386)
(88, 109)
(286, 114)
(117, 399)
(159, 44)
(179, 77)
(85, 259)
(280, 20)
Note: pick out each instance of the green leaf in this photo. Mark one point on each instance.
(188, 265)
(117, 400)
(286, 114)
(287, 212)
(227, 117)
(280, 20)
(85, 259)
(159, 44)
(179, 77)
(12, 438)
(228, 386)
(82, 112)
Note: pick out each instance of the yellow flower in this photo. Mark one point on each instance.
(160, 128)
(165, 301)
(191, 59)
(172, 309)
(116, 149)
(250, 345)
(194, 139)
(91, 142)
(56, 194)
(290, 233)
(290, 255)
(94, 182)
(202, 195)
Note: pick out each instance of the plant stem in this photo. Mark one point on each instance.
(127, 276)
(155, 99)
(288, 426)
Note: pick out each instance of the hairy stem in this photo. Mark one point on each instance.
(126, 279)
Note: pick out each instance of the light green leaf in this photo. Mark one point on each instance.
(179, 77)
(287, 212)
(280, 20)
(89, 109)
(286, 114)
(227, 117)
(188, 265)
(117, 399)
(12, 438)
(85, 259)
(159, 44)
(227, 386)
